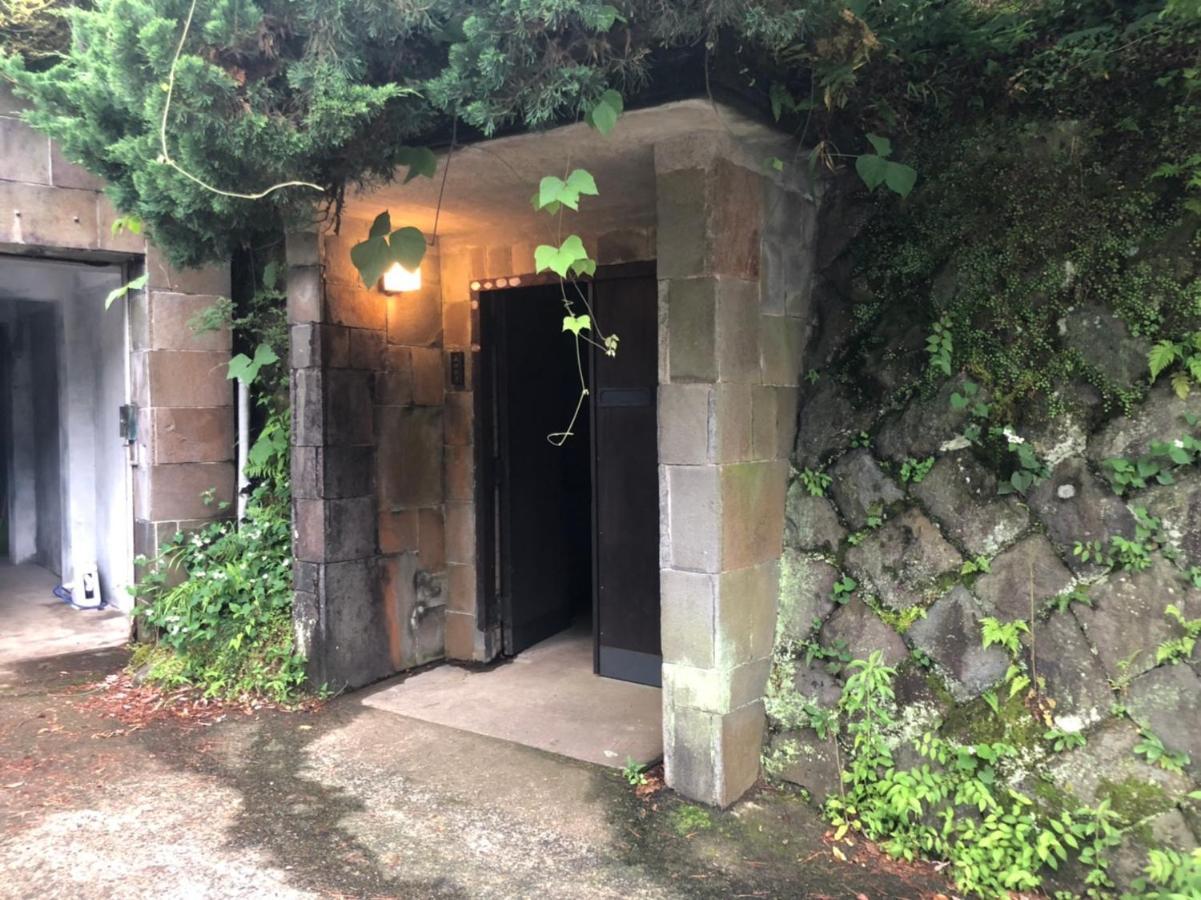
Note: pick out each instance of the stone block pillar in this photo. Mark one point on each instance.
(185, 427)
(729, 370)
(367, 400)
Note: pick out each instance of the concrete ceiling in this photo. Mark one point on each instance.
(490, 183)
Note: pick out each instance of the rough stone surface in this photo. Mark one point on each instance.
(827, 421)
(814, 682)
(859, 485)
(810, 522)
(1126, 621)
(950, 635)
(1106, 763)
(863, 632)
(1031, 565)
(804, 759)
(806, 593)
(1104, 341)
(1075, 678)
(962, 495)
(1160, 418)
(924, 426)
(1074, 506)
(902, 559)
(1178, 507)
(1167, 701)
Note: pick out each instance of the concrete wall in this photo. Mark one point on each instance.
(51, 207)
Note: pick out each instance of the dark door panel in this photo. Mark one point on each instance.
(625, 480)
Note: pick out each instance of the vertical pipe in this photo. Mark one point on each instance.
(243, 445)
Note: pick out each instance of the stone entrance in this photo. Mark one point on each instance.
(386, 457)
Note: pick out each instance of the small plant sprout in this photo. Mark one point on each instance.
(913, 471)
(633, 772)
(1181, 647)
(844, 587)
(1151, 748)
(1003, 634)
(1061, 740)
(815, 482)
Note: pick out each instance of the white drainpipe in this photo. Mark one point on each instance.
(243, 445)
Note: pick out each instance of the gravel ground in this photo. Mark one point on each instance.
(348, 801)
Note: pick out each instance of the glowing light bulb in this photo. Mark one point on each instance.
(398, 279)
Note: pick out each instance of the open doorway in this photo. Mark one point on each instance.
(569, 531)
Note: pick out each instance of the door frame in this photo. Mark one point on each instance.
(488, 603)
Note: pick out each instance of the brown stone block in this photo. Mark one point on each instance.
(394, 386)
(687, 617)
(366, 349)
(302, 246)
(171, 316)
(735, 219)
(460, 473)
(332, 472)
(335, 254)
(24, 154)
(745, 618)
(350, 528)
(456, 324)
(415, 318)
(680, 213)
(461, 585)
(409, 456)
(428, 383)
(684, 420)
(314, 345)
(52, 217)
(764, 423)
(460, 635)
(782, 344)
(752, 512)
(737, 331)
(397, 530)
(162, 275)
(192, 435)
(731, 425)
(306, 294)
(741, 742)
(460, 533)
(460, 416)
(696, 526)
(355, 307)
(625, 245)
(692, 329)
(184, 378)
(348, 408)
(177, 491)
(431, 540)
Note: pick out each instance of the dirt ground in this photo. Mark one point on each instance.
(348, 801)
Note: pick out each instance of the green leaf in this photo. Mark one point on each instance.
(871, 169)
(407, 247)
(563, 258)
(371, 258)
(381, 226)
(576, 324)
(553, 191)
(608, 15)
(1181, 385)
(420, 160)
(603, 116)
(899, 178)
(245, 369)
(117, 293)
(882, 145)
(1161, 356)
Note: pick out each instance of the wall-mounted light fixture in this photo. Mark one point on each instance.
(398, 280)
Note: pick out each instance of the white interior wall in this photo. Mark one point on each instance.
(92, 353)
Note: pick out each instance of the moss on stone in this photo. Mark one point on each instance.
(1134, 799)
(975, 722)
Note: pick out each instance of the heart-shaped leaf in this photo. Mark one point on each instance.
(554, 192)
(576, 324)
(420, 160)
(407, 246)
(381, 226)
(561, 259)
(871, 169)
(882, 145)
(899, 178)
(371, 258)
(603, 116)
(117, 293)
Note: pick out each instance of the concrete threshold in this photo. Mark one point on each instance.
(546, 697)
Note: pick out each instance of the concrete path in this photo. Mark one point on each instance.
(34, 623)
(546, 697)
(350, 801)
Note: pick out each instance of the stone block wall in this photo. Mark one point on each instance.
(933, 554)
(733, 249)
(185, 442)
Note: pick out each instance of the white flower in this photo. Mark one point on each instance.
(1011, 436)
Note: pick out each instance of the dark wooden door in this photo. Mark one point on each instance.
(544, 491)
(625, 483)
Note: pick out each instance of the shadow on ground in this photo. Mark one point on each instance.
(349, 801)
